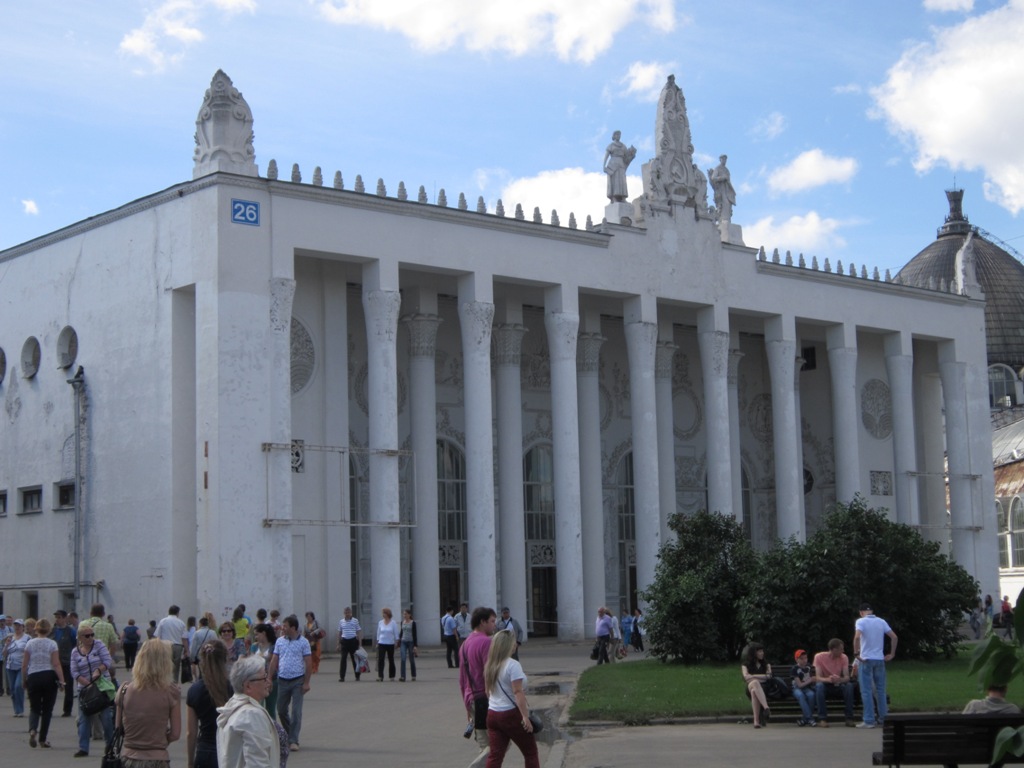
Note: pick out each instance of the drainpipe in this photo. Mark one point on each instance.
(78, 385)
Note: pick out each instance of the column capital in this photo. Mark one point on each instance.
(422, 334)
(588, 352)
(508, 343)
(381, 308)
(664, 355)
(563, 330)
(476, 318)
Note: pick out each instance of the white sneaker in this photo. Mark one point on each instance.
(866, 725)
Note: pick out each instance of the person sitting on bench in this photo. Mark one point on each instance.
(832, 669)
(993, 704)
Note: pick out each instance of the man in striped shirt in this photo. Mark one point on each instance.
(350, 637)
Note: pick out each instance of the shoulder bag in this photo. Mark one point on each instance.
(112, 754)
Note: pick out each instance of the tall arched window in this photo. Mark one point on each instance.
(1002, 389)
(1016, 533)
(539, 493)
(625, 508)
(1004, 544)
(451, 492)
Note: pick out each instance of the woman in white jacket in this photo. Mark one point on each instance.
(246, 736)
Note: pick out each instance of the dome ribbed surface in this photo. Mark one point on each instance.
(1000, 275)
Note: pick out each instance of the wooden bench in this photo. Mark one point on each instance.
(947, 740)
(788, 710)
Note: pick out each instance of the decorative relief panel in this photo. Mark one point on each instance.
(876, 409)
(631, 553)
(303, 356)
(449, 554)
(759, 417)
(881, 483)
(541, 554)
(298, 456)
(686, 412)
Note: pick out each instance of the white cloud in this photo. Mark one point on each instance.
(811, 169)
(646, 79)
(569, 190)
(959, 101)
(848, 88)
(30, 207)
(943, 6)
(770, 126)
(172, 27)
(800, 234)
(516, 27)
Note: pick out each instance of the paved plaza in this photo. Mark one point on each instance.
(420, 724)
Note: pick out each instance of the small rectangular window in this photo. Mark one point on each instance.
(3, 503)
(31, 500)
(64, 493)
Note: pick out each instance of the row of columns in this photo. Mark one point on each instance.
(574, 345)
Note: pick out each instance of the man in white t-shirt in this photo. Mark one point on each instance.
(172, 629)
(869, 648)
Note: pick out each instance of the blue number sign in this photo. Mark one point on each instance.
(245, 212)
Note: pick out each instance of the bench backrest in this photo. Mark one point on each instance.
(924, 739)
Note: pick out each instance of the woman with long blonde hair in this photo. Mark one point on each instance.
(149, 708)
(508, 716)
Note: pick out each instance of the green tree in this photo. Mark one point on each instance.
(805, 594)
(691, 614)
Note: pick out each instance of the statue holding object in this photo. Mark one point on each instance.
(616, 160)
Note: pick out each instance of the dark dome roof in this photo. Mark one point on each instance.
(1000, 275)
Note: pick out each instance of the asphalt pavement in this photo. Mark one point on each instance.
(421, 723)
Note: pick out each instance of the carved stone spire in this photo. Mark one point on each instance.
(672, 175)
(224, 131)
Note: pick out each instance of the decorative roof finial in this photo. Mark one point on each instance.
(224, 131)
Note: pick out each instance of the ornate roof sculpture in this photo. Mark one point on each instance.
(224, 131)
(964, 257)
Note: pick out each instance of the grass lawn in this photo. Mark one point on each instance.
(637, 692)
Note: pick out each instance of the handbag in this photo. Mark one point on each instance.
(535, 722)
(595, 651)
(186, 669)
(112, 754)
(93, 699)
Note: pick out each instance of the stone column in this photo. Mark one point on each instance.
(842, 365)
(789, 507)
(475, 320)
(664, 354)
(641, 341)
(961, 479)
(735, 454)
(508, 344)
(562, 329)
(714, 363)
(426, 584)
(899, 366)
(336, 486)
(279, 463)
(381, 308)
(591, 492)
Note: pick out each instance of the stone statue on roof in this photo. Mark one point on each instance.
(672, 175)
(725, 195)
(616, 160)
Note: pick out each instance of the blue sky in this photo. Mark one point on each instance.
(844, 122)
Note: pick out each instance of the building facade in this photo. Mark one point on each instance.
(304, 396)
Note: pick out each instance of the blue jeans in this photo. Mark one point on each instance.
(85, 729)
(16, 691)
(290, 692)
(845, 690)
(805, 696)
(407, 651)
(872, 689)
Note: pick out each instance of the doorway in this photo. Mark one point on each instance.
(543, 602)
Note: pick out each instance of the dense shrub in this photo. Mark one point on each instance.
(691, 614)
(711, 592)
(807, 593)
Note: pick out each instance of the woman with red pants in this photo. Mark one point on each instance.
(508, 717)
